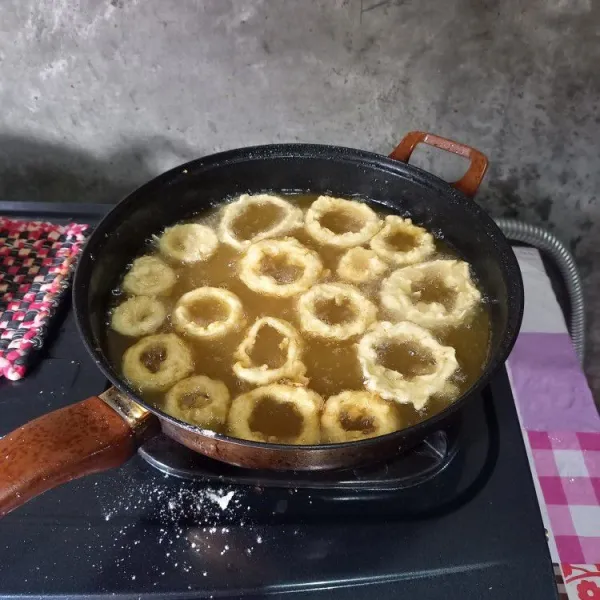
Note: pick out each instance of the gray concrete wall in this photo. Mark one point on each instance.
(96, 96)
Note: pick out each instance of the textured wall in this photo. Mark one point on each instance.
(96, 96)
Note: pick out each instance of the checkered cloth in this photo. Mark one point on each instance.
(568, 470)
(561, 428)
(36, 261)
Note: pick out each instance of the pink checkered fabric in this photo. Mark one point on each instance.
(561, 429)
(568, 470)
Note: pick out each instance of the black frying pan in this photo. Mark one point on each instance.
(105, 431)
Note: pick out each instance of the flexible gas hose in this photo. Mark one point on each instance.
(549, 244)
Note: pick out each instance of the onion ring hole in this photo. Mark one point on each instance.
(407, 358)
(280, 269)
(269, 348)
(256, 219)
(339, 222)
(274, 420)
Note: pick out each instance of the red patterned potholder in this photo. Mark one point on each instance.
(36, 261)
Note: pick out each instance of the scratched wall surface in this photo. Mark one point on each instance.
(97, 96)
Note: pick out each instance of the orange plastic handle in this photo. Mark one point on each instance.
(68, 443)
(469, 183)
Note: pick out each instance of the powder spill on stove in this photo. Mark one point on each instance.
(189, 519)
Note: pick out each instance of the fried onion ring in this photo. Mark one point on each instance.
(149, 276)
(419, 243)
(188, 243)
(157, 362)
(359, 212)
(360, 265)
(290, 220)
(393, 385)
(404, 293)
(364, 311)
(298, 411)
(138, 316)
(185, 321)
(293, 369)
(357, 415)
(199, 400)
(293, 253)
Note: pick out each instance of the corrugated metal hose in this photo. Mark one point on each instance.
(549, 244)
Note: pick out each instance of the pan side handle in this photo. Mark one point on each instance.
(469, 183)
(84, 438)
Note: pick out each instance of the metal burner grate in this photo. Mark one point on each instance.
(411, 468)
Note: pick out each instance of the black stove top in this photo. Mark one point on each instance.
(457, 518)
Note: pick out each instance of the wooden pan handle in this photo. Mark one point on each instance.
(80, 439)
(469, 183)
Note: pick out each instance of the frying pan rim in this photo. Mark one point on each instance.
(298, 151)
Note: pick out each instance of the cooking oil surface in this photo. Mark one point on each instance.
(331, 366)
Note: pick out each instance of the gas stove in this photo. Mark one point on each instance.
(457, 517)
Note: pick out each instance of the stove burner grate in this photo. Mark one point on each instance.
(414, 467)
